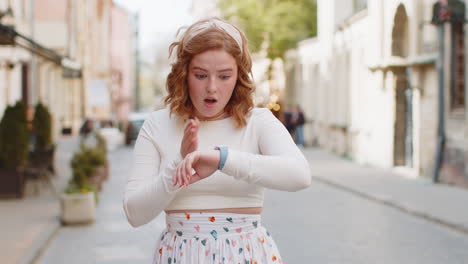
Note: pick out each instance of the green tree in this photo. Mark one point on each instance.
(42, 127)
(14, 137)
(281, 23)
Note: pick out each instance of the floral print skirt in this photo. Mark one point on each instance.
(214, 238)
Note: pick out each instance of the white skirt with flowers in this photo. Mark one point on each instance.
(214, 238)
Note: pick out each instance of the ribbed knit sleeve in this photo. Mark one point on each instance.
(281, 165)
(149, 188)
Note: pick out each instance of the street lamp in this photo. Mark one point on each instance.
(7, 34)
(451, 11)
(7, 12)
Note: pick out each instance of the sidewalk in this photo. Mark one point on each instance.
(27, 224)
(439, 203)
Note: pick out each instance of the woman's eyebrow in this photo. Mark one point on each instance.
(201, 69)
(198, 68)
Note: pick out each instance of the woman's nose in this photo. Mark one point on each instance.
(211, 85)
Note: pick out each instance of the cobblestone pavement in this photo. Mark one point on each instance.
(322, 224)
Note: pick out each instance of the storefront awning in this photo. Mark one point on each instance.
(9, 36)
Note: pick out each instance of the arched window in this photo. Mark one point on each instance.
(400, 33)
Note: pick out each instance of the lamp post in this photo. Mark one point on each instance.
(7, 12)
(6, 28)
(451, 11)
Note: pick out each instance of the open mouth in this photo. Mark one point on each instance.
(210, 101)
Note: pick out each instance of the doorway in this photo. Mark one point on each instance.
(403, 137)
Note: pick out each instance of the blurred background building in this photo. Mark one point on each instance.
(76, 57)
(369, 85)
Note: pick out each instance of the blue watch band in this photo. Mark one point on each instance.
(223, 153)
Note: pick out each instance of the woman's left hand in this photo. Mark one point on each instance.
(205, 163)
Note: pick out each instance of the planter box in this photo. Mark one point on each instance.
(78, 208)
(11, 183)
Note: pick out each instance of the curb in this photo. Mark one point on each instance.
(40, 243)
(395, 205)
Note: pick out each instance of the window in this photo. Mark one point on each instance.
(457, 78)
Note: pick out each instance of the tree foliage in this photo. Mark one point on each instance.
(14, 137)
(84, 164)
(42, 126)
(282, 23)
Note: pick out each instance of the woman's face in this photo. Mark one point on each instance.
(212, 77)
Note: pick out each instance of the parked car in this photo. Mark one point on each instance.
(135, 122)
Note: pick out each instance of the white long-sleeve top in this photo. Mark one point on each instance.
(261, 155)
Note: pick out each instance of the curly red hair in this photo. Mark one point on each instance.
(190, 44)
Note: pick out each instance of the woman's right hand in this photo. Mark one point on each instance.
(190, 141)
(196, 166)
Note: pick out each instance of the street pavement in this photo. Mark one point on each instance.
(26, 224)
(439, 203)
(110, 239)
(350, 214)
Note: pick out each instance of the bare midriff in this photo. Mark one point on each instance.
(243, 210)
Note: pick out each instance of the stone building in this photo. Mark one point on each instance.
(123, 62)
(61, 54)
(369, 86)
(39, 68)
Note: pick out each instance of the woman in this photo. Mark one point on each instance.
(206, 159)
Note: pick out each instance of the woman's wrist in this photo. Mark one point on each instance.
(223, 154)
(212, 158)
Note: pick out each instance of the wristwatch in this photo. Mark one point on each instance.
(223, 153)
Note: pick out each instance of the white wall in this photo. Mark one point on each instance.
(340, 81)
(51, 34)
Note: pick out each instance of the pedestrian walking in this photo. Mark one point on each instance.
(299, 130)
(290, 121)
(86, 128)
(207, 157)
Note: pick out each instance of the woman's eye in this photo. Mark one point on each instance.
(200, 76)
(225, 77)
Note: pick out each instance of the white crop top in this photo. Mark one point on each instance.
(261, 155)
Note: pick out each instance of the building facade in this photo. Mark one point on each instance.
(38, 68)
(62, 54)
(122, 62)
(369, 86)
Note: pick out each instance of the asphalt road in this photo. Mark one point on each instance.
(319, 225)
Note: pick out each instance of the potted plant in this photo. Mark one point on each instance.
(78, 203)
(96, 158)
(90, 168)
(102, 146)
(13, 150)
